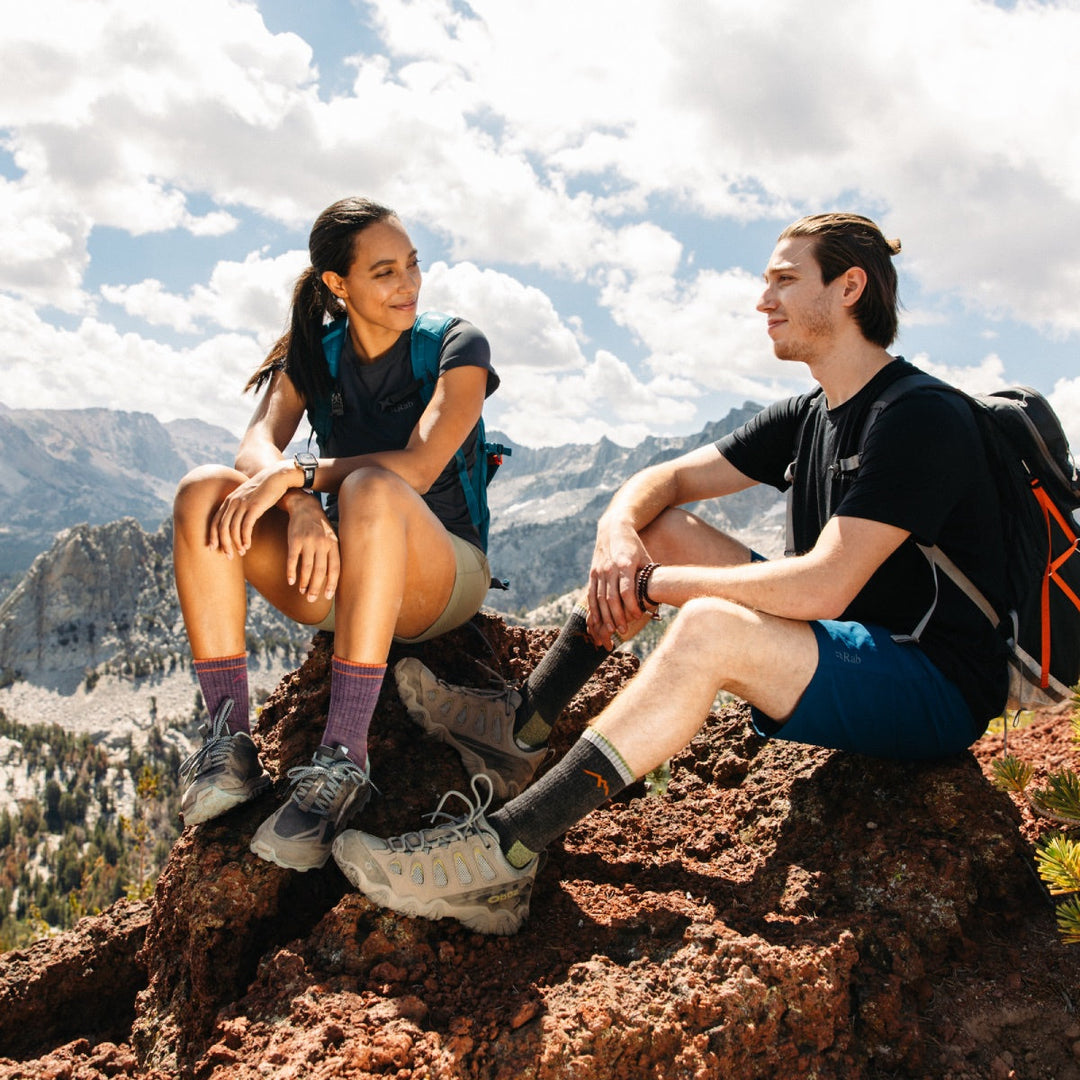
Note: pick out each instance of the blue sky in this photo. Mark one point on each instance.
(596, 184)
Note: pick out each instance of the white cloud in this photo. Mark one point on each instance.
(988, 375)
(249, 297)
(519, 320)
(1065, 400)
(705, 329)
(595, 159)
(550, 393)
(46, 367)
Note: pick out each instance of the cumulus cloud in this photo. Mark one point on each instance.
(46, 366)
(251, 296)
(569, 177)
(550, 392)
(1065, 400)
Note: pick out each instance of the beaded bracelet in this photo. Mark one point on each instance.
(641, 590)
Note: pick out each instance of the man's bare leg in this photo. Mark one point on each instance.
(712, 645)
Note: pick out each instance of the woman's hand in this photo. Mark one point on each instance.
(314, 560)
(232, 526)
(613, 604)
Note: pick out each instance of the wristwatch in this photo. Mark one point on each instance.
(309, 463)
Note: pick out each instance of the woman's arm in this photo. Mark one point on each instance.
(448, 418)
(313, 564)
(450, 415)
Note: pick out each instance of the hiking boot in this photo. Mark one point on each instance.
(454, 869)
(478, 724)
(325, 793)
(223, 773)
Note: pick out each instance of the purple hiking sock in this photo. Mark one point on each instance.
(354, 692)
(225, 677)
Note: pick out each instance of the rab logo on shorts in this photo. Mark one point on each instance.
(848, 657)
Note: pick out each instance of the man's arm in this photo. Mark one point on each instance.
(818, 585)
(619, 552)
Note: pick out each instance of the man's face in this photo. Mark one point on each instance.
(803, 313)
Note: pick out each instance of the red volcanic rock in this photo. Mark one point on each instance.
(779, 912)
(79, 984)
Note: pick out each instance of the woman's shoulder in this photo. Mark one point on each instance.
(464, 344)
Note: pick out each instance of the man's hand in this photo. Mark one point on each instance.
(617, 556)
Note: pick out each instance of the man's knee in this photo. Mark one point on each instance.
(707, 624)
(677, 536)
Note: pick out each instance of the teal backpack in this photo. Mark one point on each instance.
(427, 335)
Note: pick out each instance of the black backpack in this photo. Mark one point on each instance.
(1039, 489)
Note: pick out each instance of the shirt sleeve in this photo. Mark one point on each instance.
(464, 345)
(765, 445)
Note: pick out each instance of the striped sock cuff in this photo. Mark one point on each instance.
(618, 762)
(354, 670)
(221, 663)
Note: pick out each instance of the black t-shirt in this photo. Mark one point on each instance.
(382, 404)
(923, 470)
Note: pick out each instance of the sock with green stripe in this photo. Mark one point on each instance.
(589, 774)
(354, 693)
(565, 668)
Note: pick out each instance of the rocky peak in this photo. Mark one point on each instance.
(779, 912)
(104, 594)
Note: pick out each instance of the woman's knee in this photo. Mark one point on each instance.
(372, 491)
(203, 489)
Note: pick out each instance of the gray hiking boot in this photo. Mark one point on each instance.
(478, 724)
(454, 869)
(325, 793)
(224, 772)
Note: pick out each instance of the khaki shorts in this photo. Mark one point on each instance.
(471, 583)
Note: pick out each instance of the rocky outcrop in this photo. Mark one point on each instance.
(78, 985)
(778, 912)
(104, 594)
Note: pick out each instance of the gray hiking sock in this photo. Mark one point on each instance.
(589, 774)
(564, 670)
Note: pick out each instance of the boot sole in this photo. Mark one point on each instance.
(213, 802)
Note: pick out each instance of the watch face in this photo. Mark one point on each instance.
(307, 461)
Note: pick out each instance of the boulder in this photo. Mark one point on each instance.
(778, 911)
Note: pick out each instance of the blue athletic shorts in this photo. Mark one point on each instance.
(872, 696)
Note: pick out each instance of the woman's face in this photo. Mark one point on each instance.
(382, 286)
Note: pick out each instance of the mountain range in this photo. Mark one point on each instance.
(61, 468)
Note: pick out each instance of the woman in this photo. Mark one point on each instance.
(395, 553)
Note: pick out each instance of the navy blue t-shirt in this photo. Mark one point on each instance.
(924, 470)
(382, 404)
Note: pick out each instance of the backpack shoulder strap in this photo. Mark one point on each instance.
(333, 340)
(898, 388)
(427, 335)
(320, 412)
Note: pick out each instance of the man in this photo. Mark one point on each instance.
(807, 640)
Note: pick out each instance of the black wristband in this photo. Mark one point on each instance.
(641, 589)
